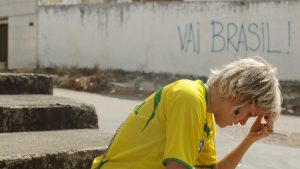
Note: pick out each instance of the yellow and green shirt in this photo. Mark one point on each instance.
(171, 124)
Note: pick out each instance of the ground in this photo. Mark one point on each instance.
(140, 84)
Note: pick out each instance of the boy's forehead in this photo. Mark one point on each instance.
(252, 108)
(257, 110)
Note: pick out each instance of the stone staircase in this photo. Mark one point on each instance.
(41, 131)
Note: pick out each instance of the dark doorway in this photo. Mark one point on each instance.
(3, 45)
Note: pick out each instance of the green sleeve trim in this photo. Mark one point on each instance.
(101, 164)
(137, 108)
(205, 166)
(156, 102)
(186, 165)
(206, 94)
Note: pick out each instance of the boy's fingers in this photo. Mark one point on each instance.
(258, 118)
(269, 124)
(266, 130)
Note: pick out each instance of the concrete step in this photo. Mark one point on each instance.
(15, 83)
(64, 149)
(44, 112)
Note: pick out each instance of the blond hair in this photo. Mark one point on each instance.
(253, 80)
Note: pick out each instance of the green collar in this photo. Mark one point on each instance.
(206, 94)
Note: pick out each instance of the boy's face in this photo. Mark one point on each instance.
(227, 113)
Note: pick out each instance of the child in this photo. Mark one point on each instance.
(174, 128)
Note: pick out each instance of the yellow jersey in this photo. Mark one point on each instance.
(170, 125)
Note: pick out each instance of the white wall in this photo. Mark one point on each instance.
(187, 38)
(58, 2)
(17, 7)
(22, 38)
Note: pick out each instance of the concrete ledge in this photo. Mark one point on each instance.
(44, 112)
(68, 149)
(81, 159)
(14, 83)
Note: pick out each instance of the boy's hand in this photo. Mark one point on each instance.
(260, 130)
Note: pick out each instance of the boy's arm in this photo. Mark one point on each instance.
(257, 131)
(229, 162)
